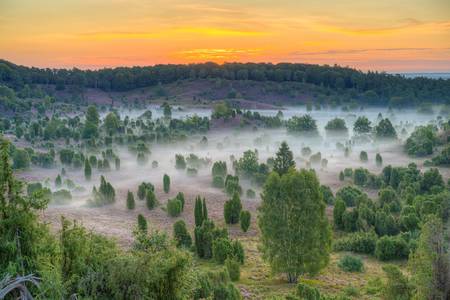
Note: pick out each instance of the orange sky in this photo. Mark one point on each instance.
(391, 35)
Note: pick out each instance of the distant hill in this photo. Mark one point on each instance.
(266, 83)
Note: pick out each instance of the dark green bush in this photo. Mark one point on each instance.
(391, 247)
(350, 263)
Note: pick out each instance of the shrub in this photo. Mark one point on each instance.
(250, 194)
(234, 268)
(359, 242)
(349, 194)
(61, 196)
(130, 200)
(244, 220)
(180, 162)
(221, 249)
(379, 160)
(307, 292)
(397, 285)
(238, 251)
(327, 194)
(166, 183)
(338, 213)
(181, 234)
(360, 176)
(218, 182)
(232, 209)
(350, 263)
(150, 200)
(142, 223)
(391, 247)
(363, 156)
(219, 168)
(143, 188)
(191, 172)
(174, 207)
(306, 151)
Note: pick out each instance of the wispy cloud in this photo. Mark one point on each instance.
(217, 54)
(355, 51)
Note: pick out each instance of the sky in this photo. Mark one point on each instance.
(383, 35)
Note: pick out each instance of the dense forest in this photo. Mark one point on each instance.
(372, 88)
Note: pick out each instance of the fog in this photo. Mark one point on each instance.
(115, 220)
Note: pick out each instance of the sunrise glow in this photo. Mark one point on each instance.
(397, 36)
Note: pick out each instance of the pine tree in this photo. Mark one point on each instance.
(87, 170)
(295, 234)
(150, 199)
(232, 209)
(166, 183)
(142, 223)
(130, 200)
(284, 159)
(205, 210)
(198, 211)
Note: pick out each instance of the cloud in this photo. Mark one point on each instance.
(405, 24)
(355, 51)
(217, 53)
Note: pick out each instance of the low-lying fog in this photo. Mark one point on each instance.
(117, 220)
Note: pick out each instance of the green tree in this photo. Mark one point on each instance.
(397, 286)
(284, 159)
(379, 160)
(232, 209)
(150, 199)
(112, 123)
(92, 115)
(295, 234)
(362, 125)
(130, 200)
(338, 212)
(181, 234)
(430, 263)
(244, 220)
(87, 170)
(142, 223)
(166, 183)
(384, 129)
(21, 159)
(199, 214)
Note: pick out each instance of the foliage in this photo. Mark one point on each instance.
(362, 125)
(397, 286)
(244, 220)
(359, 242)
(142, 223)
(349, 263)
(200, 211)
(174, 207)
(219, 168)
(349, 194)
(181, 234)
(302, 125)
(336, 124)
(166, 183)
(295, 234)
(384, 129)
(130, 200)
(284, 159)
(180, 162)
(232, 209)
(150, 199)
(430, 263)
(363, 156)
(104, 195)
(234, 268)
(391, 247)
(422, 141)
